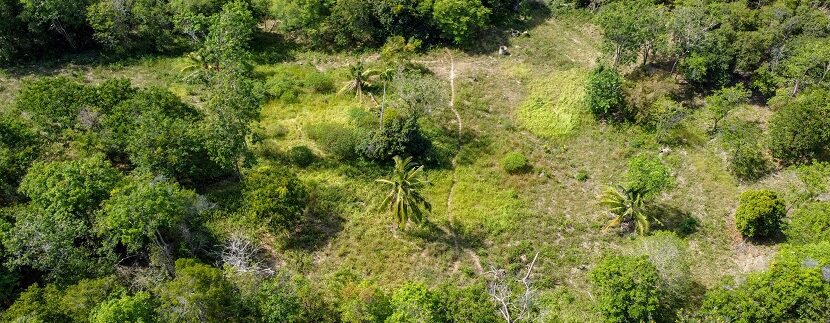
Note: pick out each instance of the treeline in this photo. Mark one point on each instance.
(36, 28)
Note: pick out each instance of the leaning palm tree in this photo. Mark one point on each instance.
(359, 79)
(404, 200)
(626, 205)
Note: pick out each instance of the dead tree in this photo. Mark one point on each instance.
(514, 304)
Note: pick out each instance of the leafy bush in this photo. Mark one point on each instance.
(199, 292)
(459, 19)
(137, 308)
(335, 139)
(289, 82)
(363, 302)
(514, 163)
(794, 289)
(53, 103)
(627, 289)
(19, 147)
(292, 299)
(301, 156)
(745, 151)
(648, 174)
(400, 136)
(466, 304)
(274, 197)
(74, 187)
(414, 302)
(759, 213)
(809, 224)
(604, 92)
(800, 131)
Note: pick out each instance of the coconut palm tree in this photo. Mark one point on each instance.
(404, 200)
(359, 79)
(626, 205)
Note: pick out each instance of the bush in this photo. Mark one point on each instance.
(670, 256)
(759, 213)
(363, 302)
(459, 19)
(794, 289)
(414, 302)
(515, 163)
(468, 304)
(810, 224)
(274, 197)
(800, 131)
(337, 140)
(604, 92)
(648, 174)
(400, 136)
(290, 299)
(627, 289)
(138, 308)
(53, 103)
(746, 156)
(301, 156)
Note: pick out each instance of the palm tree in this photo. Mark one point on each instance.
(626, 205)
(404, 200)
(359, 79)
(386, 76)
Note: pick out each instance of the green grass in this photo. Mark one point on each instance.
(555, 105)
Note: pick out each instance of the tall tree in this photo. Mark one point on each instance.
(631, 28)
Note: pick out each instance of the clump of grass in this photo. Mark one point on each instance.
(515, 163)
(555, 105)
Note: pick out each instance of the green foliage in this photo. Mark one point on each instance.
(800, 130)
(627, 289)
(514, 163)
(794, 288)
(626, 206)
(759, 213)
(664, 115)
(19, 147)
(404, 200)
(198, 293)
(288, 83)
(556, 104)
(414, 302)
(334, 139)
(79, 300)
(71, 304)
(724, 101)
(228, 37)
(74, 187)
(648, 175)
(400, 136)
(143, 210)
(36, 304)
(746, 154)
(274, 197)
(290, 298)
(809, 224)
(628, 27)
(466, 304)
(53, 103)
(138, 308)
(459, 19)
(363, 302)
(301, 156)
(604, 92)
(142, 25)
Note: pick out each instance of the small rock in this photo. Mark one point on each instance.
(503, 51)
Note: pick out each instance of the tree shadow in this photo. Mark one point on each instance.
(321, 221)
(452, 237)
(673, 219)
(271, 48)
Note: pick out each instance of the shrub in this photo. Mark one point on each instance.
(800, 131)
(745, 152)
(648, 174)
(363, 302)
(604, 92)
(301, 156)
(759, 213)
(337, 140)
(627, 289)
(53, 103)
(400, 136)
(138, 308)
(274, 197)
(414, 302)
(514, 163)
(459, 19)
(291, 299)
(810, 224)
(467, 304)
(794, 289)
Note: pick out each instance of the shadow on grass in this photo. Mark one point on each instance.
(452, 237)
(528, 16)
(673, 219)
(321, 221)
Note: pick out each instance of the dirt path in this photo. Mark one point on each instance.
(471, 253)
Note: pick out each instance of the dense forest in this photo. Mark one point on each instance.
(414, 161)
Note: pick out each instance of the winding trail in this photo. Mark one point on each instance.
(471, 253)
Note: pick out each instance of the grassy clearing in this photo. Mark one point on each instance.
(555, 105)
